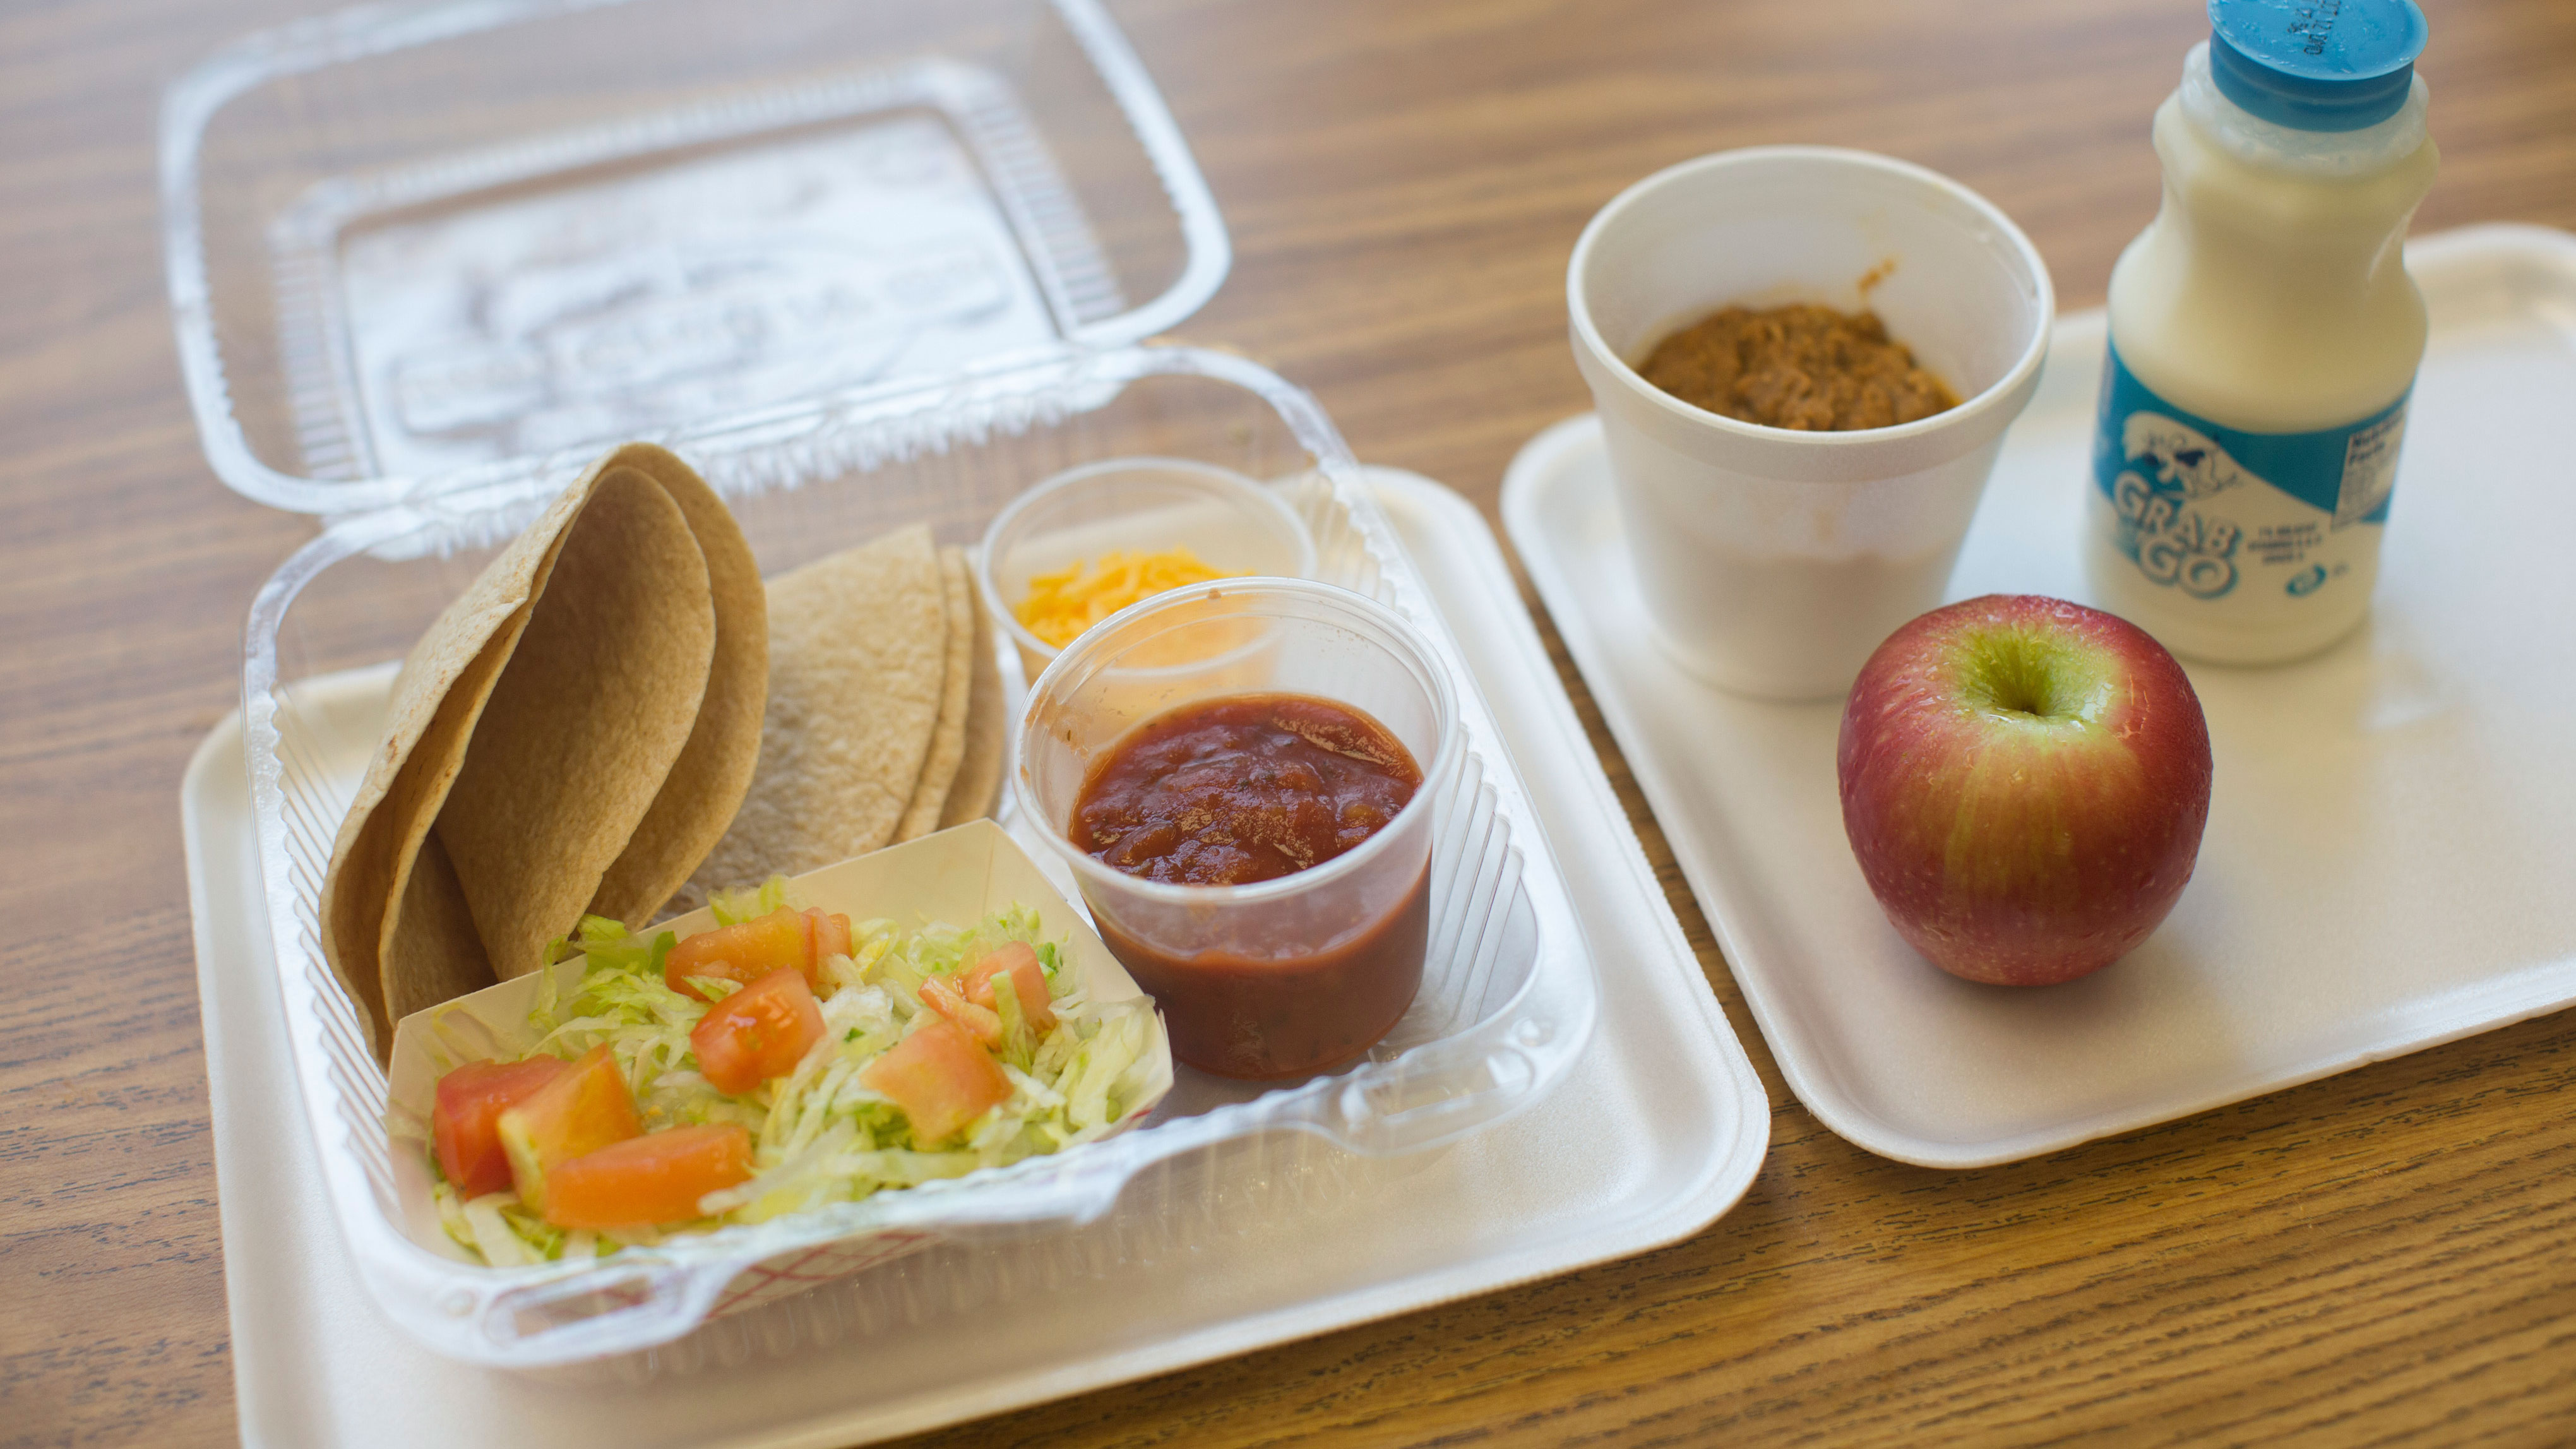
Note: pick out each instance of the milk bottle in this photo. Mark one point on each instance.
(2264, 335)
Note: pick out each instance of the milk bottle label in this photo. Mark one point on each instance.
(2213, 513)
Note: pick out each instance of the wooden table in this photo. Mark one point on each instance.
(2387, 1255)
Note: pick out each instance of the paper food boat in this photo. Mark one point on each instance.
(957, 876)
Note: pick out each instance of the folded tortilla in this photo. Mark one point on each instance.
(573, 733)
(583, 725)
(706, 785)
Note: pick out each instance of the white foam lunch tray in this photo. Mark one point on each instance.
(854, 264)
(2389, 862)
(1658, 1129)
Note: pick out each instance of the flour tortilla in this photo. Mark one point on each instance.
(948, 733)
(585, 722)
(437, 697)
(979, 768)
(399, 924)
(858, 651)
(706, 783)
(436, 955)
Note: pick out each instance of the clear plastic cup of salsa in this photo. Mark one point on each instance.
(1284, 977)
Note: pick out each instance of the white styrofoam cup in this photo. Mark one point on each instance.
(1773, 561)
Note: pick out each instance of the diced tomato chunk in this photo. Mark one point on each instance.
(466, 1124)
(939, 1077)
(1019, 961)
(585, 1108)
(744, 951)
(759, 1032)
(749, 950)
(831, 936)
(979, 1022)
(657, 1178)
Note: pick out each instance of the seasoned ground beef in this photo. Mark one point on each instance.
(1801, 366)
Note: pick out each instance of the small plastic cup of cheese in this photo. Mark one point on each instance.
(1771, 560)
(1113, 526)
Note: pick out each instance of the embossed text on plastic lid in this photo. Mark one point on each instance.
(2316, 65)
(434, 254)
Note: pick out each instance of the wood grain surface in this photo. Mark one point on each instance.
(2388, 1256)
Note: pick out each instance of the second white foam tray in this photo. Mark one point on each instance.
(2389, 862)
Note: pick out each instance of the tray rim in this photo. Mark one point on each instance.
(1508, 630)
(2542, 252)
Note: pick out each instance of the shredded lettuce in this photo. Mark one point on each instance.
(732, 908)
(819, 1135)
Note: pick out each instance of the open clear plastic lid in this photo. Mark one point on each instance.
(437, 249)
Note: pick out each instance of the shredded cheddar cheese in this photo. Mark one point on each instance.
(1061, 605)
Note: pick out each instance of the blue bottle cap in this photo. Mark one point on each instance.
(2316, 65)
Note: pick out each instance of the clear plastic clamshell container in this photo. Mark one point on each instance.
(427, 262)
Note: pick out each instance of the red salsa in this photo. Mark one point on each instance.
(1250, 788)
(1242, 789)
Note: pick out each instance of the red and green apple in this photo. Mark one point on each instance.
(2024, 781)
